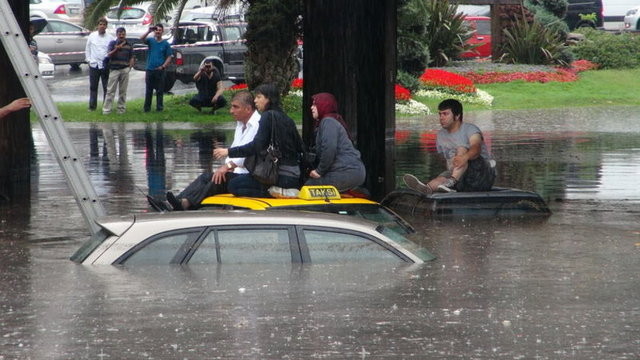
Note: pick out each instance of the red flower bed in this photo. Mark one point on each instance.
(559, 75)
(241, 86)
(402, 93)
(296, 84)
(442, 78)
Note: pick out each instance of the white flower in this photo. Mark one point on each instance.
(413, 107)
(479, 97)
(297, 92)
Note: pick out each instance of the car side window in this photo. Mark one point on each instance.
(332, 246)
(236, 246)
(62, 27)
(232, 33)
(161, 250)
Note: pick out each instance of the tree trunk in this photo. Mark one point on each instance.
(271, 42)
(16, 144)
(350, 51)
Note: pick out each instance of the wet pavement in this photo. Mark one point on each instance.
(563, 288)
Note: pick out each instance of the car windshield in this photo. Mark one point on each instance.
(419, 251)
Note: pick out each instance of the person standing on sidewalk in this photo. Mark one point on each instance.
(159, 56)
(95, 55)
(120, 63)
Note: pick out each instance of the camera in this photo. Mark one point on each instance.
(153, 28)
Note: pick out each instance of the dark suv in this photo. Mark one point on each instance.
(584, 13)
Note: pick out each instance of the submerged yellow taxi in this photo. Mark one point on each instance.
(315, 198)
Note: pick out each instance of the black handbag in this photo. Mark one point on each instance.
(264, 165)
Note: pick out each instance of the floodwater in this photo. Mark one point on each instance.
(564, 288)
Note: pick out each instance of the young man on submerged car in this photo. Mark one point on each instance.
(469, 163)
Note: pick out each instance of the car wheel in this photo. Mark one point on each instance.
(75, 67)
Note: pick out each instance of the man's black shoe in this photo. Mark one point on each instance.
(157, 205)
(177, 204)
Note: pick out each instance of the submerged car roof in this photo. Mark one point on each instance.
(180, 219)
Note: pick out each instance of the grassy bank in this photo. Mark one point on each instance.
(594, 88)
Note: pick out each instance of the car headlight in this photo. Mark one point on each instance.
(632, 12)
(44, 60)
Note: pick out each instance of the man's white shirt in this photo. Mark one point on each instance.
(97, 49)
(243, 137)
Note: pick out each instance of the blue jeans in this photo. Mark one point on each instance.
(154, 80)
(246, 185)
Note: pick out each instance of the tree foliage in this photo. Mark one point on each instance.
(532, 43)
(272, 32)
(446, 31)
(413, 50)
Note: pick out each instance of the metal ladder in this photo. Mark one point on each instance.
(52, 124)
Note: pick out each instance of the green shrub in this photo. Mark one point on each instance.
(532, 43)
(549, 13)
(446, 31)
(610, 51)
(408, 81)
(557, 8)
(413, 52)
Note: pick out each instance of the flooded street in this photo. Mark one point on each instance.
(566, 287)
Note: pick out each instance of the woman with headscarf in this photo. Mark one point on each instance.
(267, 100)
(338, 162)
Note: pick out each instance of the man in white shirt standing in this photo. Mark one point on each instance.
(247, 121)
(95, 55)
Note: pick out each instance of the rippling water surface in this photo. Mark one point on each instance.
(567, 287)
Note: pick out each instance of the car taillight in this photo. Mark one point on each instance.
(60, 10)
(179, 60)
(147, 19)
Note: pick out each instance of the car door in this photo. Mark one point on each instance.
(69, 42)
(255, 244)
(327, 245)
(234, 49)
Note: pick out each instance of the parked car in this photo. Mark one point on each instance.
(614, 11)
(584, 13)
(214, 13)
(195, 41)
(54, 9)
(45, 66)
(632, 19)
(136, 19)
(64, 41)
(227, 237)
(480, 39)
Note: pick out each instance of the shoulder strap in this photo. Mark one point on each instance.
(274, 137)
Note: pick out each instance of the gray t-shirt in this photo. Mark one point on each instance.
(447, 143)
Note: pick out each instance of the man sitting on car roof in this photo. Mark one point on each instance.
(208, 184)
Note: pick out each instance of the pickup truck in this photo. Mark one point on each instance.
(195, 41)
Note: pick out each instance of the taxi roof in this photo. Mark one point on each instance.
(316, 195)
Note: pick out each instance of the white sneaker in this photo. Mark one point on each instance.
(413, 183)
(448, 186)
(282, 193)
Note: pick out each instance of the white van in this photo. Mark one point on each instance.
(614, 11)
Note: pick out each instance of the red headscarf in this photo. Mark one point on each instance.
(327, 107)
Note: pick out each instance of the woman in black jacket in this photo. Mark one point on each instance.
(289, 142)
